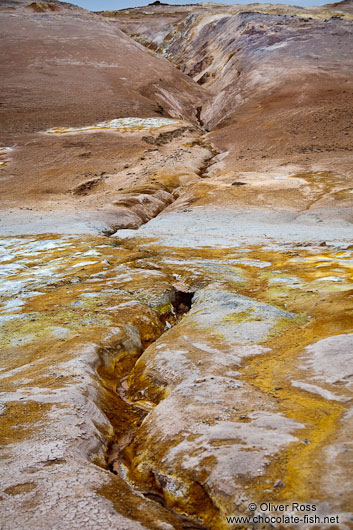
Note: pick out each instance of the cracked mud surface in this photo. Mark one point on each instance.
(176, 265)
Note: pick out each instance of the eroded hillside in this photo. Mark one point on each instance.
(176, 267)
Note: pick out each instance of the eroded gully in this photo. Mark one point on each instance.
(264, 374)
(150, 284)
(270, 374)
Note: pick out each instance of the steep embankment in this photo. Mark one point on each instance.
(289, 78)
(67, 66)
(281, 88)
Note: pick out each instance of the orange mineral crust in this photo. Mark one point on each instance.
(176, 266)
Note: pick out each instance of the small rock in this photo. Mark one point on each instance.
(279, 484)
(199, 363)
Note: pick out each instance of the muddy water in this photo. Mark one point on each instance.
(62, 294)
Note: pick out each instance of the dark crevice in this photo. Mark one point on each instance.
(181, 301)
(238, 183)
(156, 498)
(198, 116)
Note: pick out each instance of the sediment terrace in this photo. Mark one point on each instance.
(176, 266)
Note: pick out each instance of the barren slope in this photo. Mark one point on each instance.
(64, 66)
(189, 353)
(281, 99)
(287, 77)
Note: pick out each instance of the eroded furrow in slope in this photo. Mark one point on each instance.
(130, 408)
(195, 410)
(175, 182)
(188, 158)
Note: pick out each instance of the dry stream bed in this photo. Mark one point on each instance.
(196, 411)
(166, 374)
(176, 290)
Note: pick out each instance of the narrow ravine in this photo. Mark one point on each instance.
(134, 409)
(129, 410)
(175, 378)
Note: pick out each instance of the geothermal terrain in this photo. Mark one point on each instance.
(176, 299)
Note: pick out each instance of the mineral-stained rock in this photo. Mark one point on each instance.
(176, 266)
(196, 434)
